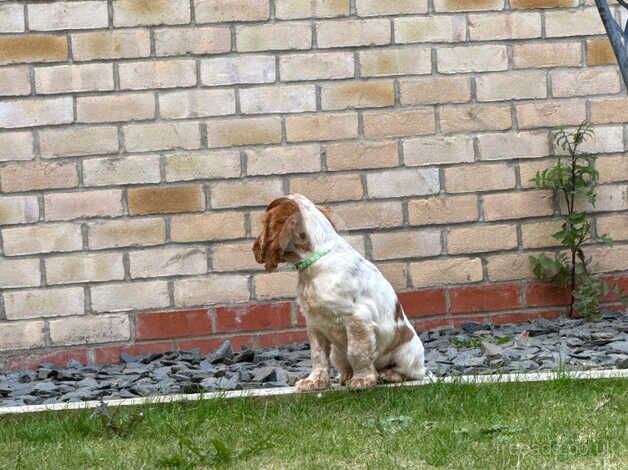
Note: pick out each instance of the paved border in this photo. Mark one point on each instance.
(263, 392)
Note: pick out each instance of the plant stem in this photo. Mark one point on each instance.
(570, 209)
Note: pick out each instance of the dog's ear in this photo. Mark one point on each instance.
(280, 220)
(327, 213)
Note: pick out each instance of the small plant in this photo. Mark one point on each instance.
(572, 181)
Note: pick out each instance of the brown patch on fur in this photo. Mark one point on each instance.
(399, 316)
(403, 334)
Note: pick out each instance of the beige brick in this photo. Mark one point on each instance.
(73, 78)
(274, 37)
(608, 110)
(157, 74)
(165, 200)
(218, 11)
(364, 94)
(19, 273)
(89, 330)
(611, 198)
(250, 131)
(513, 145)
(275, 285)
(41, 239)
(362, 155)
(395, 273)
(44, 303)
(245, 193)
(84, 268)
(497, 26)
(16, 146)
(527, 170)
(150, 12)
(573, 23)
(196, 103)
(539, 234)
(353, 33)
(234, 257)
(517, 205)
(293, 9)
(396, 61)
(116, 44)
(31, 176)
(443, 210)
(607, 258)
(441, 28)
(356, 242)
(125, 296)
(208, 226)
(22, 335)
(14, 81)
(468, 5)
(435, 90)
(159, 262)
(481, 238)
(502, 86)
(440, 149)
(606, 139)
(615, 226)
(67, 15)
(600, 52)
(438, 272)
(362, 215)
(612, 169)
(84, 204)
(278, 99)
(509, 267)
(184, 166)
(327, 126)
(76, 141)
(238, 69)
(18, 210)
(123, 233)
(550, 114)
(32, 48)
(474, 178)
(118, 107)
(390, 7)
(11, 18)
(406, 244)
(329, 188)
(516, 4)
(403, 182)
(588, 82)
(126, 170)
(406, 123)
(463, 59)
(210, 290)
(475, 118)
(546, 54)
(196, 40)
(318, 66)
(280, 160)
(36, 112)
(162, 136)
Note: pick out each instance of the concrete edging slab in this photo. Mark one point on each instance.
(262, 392)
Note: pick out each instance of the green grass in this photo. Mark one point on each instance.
(560, 424)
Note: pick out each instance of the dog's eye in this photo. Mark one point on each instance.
(302, 235)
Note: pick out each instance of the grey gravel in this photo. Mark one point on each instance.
(536, 345)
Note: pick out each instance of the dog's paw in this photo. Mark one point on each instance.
(345, 376)
(311, 384)
(391, 376)
(363, 381)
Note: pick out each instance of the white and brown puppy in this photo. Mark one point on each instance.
(353, 315)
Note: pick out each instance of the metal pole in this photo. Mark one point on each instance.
(618, 38)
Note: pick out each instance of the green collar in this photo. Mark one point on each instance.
(306, 263)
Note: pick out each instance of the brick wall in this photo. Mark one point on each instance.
(141, 139)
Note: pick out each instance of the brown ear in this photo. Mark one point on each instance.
(327, 213)
(279, 221)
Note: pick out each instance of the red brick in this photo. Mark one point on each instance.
(433, 324)
(485, 298)
(538, 294)
(423, 303)
(207, 345)
(60, 358)
(520, 317)
(621, 281)
(253, 317)
(275, 339)
(173, 324)
(457, 322)
(111, 354)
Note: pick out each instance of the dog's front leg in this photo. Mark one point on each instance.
(319, 377)
(360, 353)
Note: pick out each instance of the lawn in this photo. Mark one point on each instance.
(565, 423)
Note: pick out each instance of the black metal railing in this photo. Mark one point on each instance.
(617, 34)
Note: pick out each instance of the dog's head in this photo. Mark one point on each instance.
(285, 231)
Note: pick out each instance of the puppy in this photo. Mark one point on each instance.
(353, 316)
